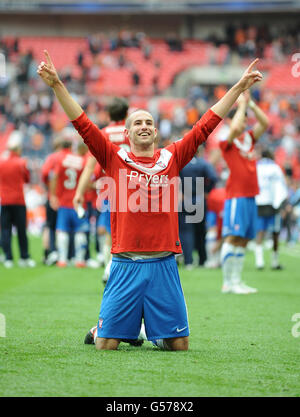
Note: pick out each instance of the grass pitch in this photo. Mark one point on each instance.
(240, 345)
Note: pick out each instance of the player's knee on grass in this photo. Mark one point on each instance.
(106, 344)
(176, 343)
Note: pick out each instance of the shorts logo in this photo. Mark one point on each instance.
(100, 322)
(236, 227)
(180, 330)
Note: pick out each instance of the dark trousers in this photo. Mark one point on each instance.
(200, 234)
(14, 215)
(51, 216)
(187, 238)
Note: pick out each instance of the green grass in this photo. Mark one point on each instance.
(239, 345)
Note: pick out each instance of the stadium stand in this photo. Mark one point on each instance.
(145, 69)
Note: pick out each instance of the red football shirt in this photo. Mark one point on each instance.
(115, 132)
(241, 162)
(68, 169)
(144, 214)
(215, 203)
(90, 196)
(48, 167)
(13, 175)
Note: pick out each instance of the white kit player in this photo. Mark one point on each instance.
(63, 183)
(272, 194)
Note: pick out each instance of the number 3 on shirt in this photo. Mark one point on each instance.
(71, 180)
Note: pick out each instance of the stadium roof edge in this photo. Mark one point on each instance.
(152, 7)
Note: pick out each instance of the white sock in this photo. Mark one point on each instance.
(106, 253)
(227, 261)
(210, 242)
(160, 343)
(239, 257)
(107, 271)
(274, 259)
(101, 241)
(259, 256)
(80, 243)
(62, 245)
(142, 335)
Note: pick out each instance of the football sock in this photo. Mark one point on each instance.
(259, 256)
(227, 261)
(106, 271)
(210, 242)
(274, 259)
(160, 343)
(80, 246)
(62, 246)
(142, 334)
(239, 257)
(106, 253)
(101, 241)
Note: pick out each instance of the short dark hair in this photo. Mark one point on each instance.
(118, 109)
(266, 153)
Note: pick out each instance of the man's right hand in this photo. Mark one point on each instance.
(48, 72)
(78, 200)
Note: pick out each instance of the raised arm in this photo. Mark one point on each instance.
(237, 124)
(262, 120)
(250, 76)
(48, 73)
(99, 146)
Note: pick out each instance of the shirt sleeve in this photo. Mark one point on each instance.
(188, 145)
(96, 141)
(98, 172)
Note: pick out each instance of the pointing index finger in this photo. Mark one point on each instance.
(252, 65)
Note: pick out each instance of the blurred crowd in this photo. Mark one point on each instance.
(26, 105)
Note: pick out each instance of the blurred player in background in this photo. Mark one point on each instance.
(214, 223)
(63, 182)
(240, 212)
(272, 194)
(90, 197)
(49, 231)
(14, 174)
(144, 280)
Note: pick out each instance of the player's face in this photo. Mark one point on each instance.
(142, 130)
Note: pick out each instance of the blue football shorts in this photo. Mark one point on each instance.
(240, 217)
(104, 218)
(269, 223)
(148, 289)
(68, 221)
